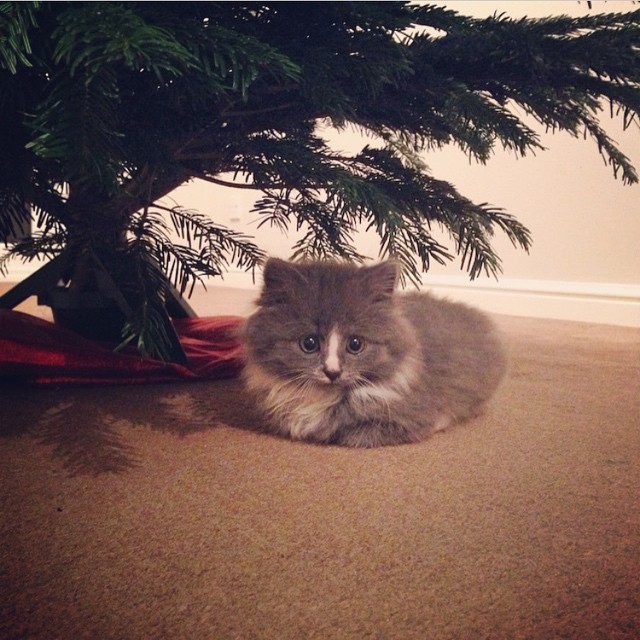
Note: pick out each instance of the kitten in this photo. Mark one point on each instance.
(335, 356)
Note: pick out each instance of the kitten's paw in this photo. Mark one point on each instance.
(442, 422)
(368, 435)
(445, 419)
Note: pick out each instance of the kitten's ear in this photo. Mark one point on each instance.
(281, 278)
(381, 279)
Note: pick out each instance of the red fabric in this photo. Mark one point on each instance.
(39, 352)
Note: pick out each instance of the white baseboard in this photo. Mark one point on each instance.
(604, 303)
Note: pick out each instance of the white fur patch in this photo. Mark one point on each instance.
(299, 408)
(307, 418)
(394, 389)
(380, 392)
(332, 361)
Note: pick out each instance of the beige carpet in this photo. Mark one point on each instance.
(154, 512)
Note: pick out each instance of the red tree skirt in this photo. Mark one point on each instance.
(39, 352)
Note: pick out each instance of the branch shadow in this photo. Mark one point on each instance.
(85, 446)
(89, 428)
(208, 405)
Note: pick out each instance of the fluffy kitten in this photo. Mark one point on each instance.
(335, 356)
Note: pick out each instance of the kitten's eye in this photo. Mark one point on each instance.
(309, 344)
(355, 345)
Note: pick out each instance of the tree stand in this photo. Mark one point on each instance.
(99, 314)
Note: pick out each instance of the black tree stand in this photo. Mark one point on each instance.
(44, 282)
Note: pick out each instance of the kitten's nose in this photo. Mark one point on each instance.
(332, 374)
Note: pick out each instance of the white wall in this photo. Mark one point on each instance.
(585, 262)
(585, 259)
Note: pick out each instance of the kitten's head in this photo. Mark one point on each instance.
(326, 324)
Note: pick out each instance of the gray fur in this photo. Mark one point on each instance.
(426, 362)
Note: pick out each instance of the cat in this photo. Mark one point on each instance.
(335, 355)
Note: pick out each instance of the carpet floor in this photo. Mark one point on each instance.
(157, 511)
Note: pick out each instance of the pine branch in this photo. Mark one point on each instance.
(84, 137)
(211, 248)
(146, 293)
(94, 37)
(377, 190)
(37, 245)
(558, 69)
(16, 19)
(15, 214)
(328, 232)
(232, 185)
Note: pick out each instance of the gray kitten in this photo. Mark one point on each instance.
(335, 356)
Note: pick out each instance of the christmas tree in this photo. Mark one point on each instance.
(107, 107)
